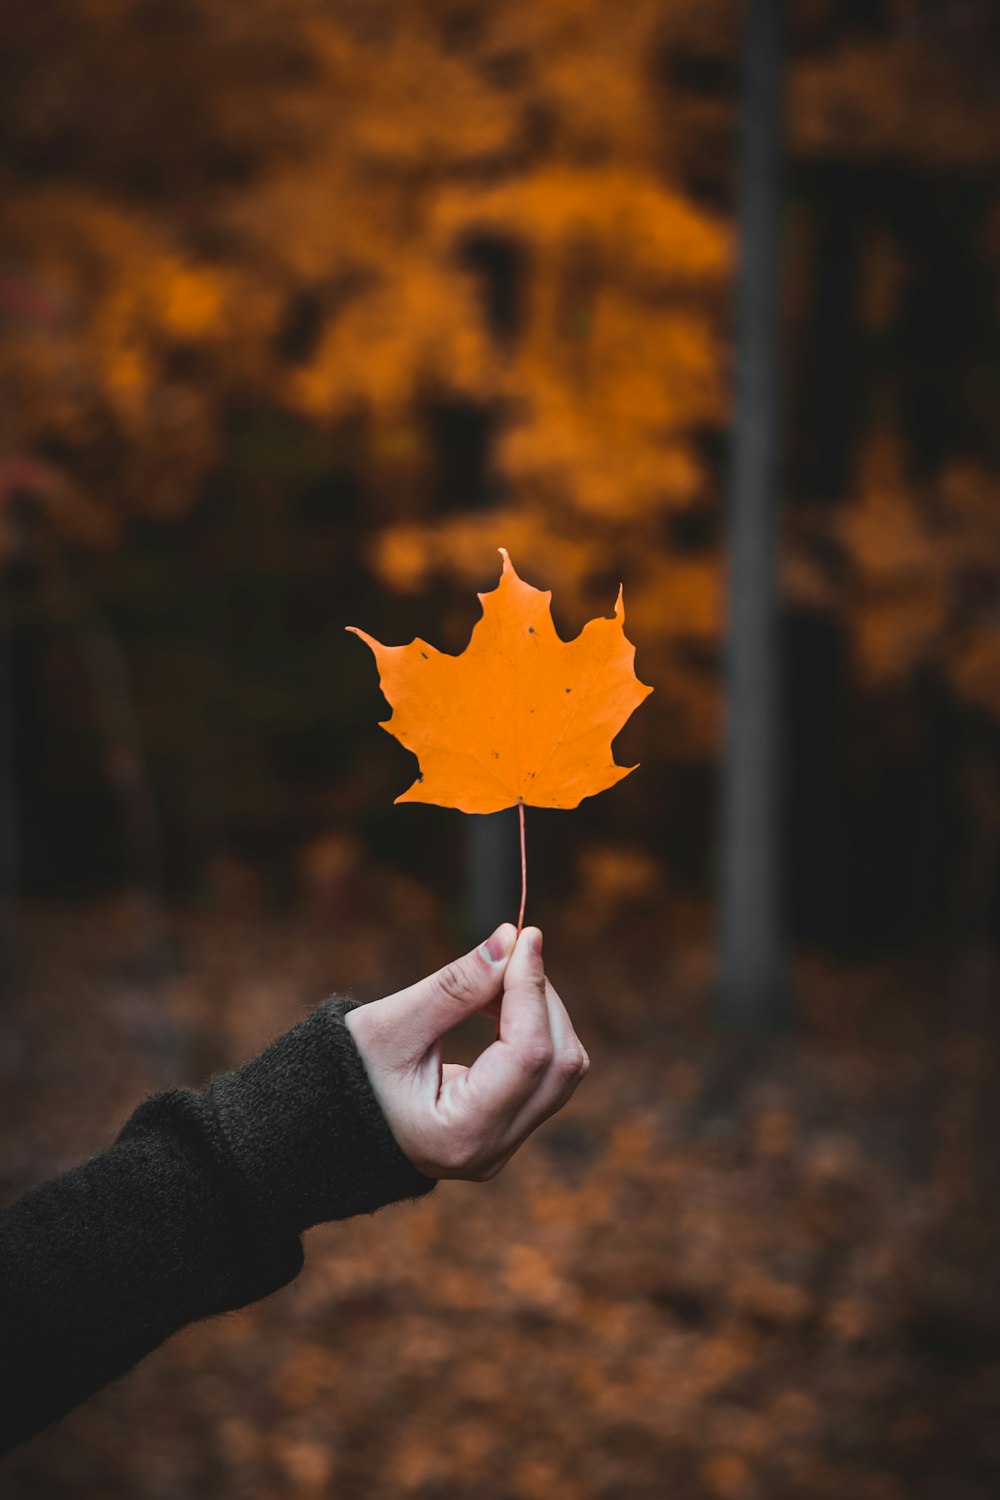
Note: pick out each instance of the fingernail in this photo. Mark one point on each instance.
(497, 947)
(535, 941)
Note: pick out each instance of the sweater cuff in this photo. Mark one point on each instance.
(306, 1130)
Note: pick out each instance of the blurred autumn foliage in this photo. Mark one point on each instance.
(311, 305)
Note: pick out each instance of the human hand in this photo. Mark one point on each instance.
(453, 1121)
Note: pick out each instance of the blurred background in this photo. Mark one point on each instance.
(307, 307)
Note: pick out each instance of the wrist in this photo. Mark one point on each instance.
(306, 1128)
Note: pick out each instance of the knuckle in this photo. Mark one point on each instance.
(535, 1058)
(467, 1157)
(573, 1065)
(458, 1153)
(457, 984)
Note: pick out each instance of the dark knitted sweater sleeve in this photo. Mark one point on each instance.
(196, 1208)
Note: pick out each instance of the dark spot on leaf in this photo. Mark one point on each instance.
(427, 658)
(569, 690)
(420, 775)
(531, 629)
(496, 754)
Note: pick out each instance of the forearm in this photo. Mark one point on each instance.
(100, 1265)
(197, 1208)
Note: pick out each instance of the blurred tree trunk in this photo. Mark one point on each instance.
(158, 1035)
(124, 761)
(751, 990)
(8, 814)
(494, 859)
(125, 768)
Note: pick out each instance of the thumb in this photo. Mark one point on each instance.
(419, 1015)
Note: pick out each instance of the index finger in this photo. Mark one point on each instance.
(506, 1075)
(524, 1012)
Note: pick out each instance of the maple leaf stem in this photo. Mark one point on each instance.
(524, 869)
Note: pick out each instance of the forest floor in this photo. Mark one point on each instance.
(715, 1276)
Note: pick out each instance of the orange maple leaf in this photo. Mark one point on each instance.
(520, 717)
